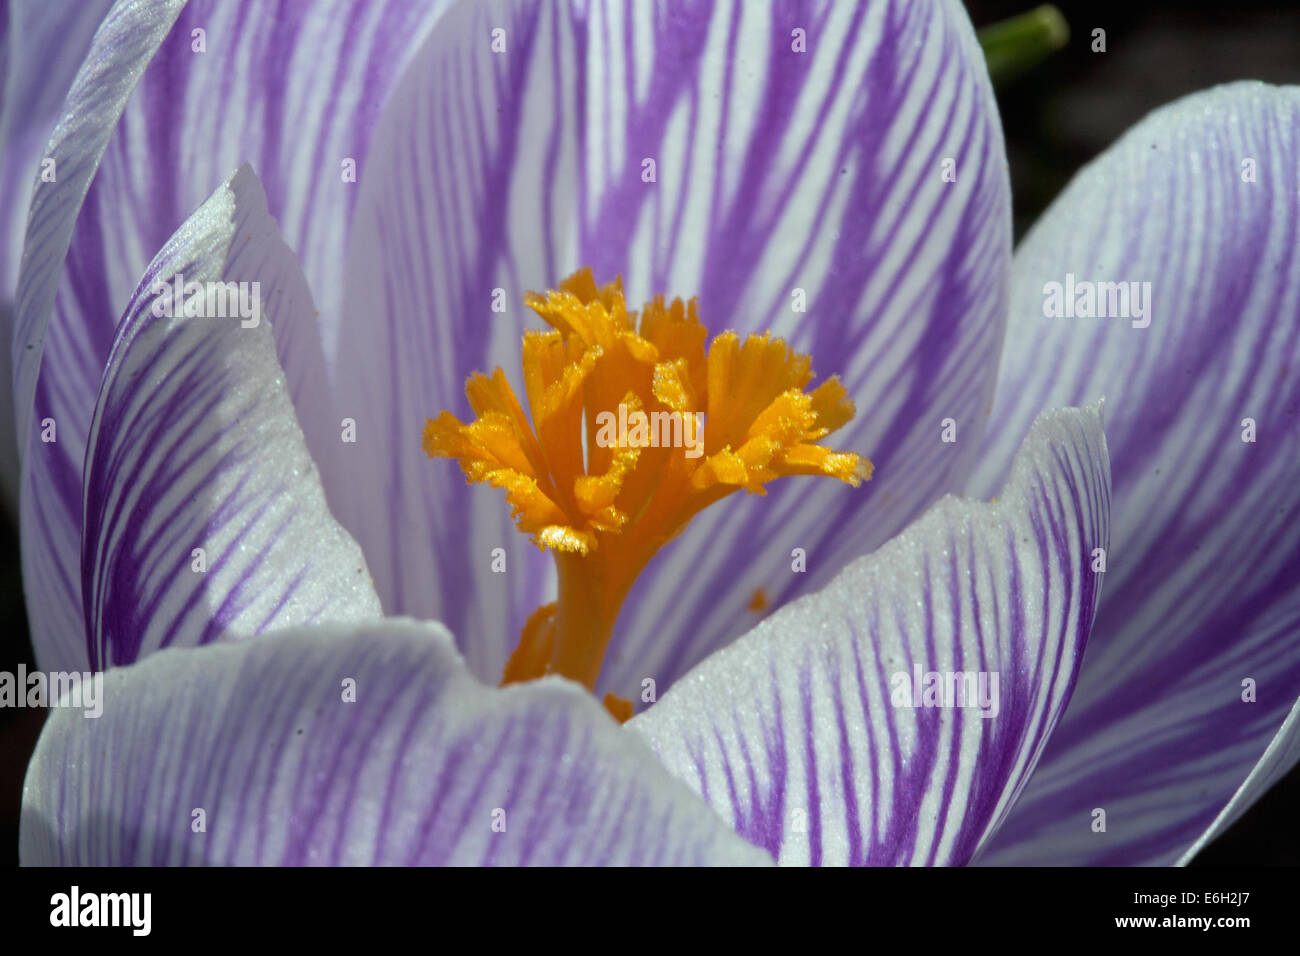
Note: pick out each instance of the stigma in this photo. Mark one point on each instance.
(635, 424)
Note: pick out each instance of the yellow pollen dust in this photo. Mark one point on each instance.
(632, 428)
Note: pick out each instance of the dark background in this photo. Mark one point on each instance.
(1056, 118)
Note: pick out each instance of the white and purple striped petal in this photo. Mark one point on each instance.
(228, 83)
(810, 734)
(42, 45)
(50, 482)
(1194, 663)
(333, 746)
(471, 188)
(204, 514)
(800, 150)
(126, 40)
(823, 172)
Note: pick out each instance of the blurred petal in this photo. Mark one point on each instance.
(796, 735)
(194, 445)
(1202, 592)
(40, 53)
(424, 766)
(42, 45)
(124, 43)
(775, 170)
(50, 483)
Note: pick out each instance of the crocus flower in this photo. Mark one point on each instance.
(304, 620)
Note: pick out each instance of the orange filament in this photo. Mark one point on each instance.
(621, 709)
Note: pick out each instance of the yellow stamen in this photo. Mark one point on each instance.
(620, 708)
(535, 645)
(632, 430)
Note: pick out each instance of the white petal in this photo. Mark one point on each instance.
(422, 766)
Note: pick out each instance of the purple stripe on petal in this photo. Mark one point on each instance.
(797, 733)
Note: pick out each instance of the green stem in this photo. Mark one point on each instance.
(1014, 46)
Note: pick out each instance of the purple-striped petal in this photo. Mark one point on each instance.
(204, 513)
(1202, 591)
(50, 482)
(42, 45)
(804, 734)
(433, 237)
(123, 44)
(196, 115)
(337, 746)
(776, 170)
(293, 88)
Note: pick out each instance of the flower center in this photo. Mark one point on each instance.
(635, 428)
